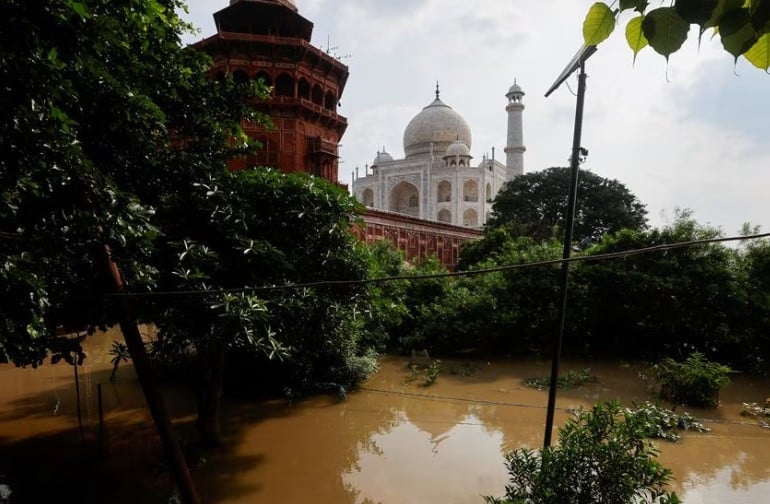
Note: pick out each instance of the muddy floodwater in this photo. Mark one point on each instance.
(392, 441)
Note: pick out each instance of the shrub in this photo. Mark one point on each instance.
(696, 381)
(662, 423)
(571, 380)
(602, 457)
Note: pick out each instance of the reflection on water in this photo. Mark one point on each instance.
(392, 441)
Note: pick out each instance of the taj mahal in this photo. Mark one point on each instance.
(437, 180)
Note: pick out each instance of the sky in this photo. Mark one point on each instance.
(692, 133)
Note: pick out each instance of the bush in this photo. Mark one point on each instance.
(664, 423)
(602, 457)
(696, 381)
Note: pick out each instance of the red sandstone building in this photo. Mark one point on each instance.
(270, 40)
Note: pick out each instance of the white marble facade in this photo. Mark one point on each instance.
(437, 180)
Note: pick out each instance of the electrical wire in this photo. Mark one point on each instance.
(510, 267)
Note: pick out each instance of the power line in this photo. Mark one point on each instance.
(510, 267)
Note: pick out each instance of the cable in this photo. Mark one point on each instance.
(511, 267)
(440, 398)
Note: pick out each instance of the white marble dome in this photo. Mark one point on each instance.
(458, 148)
(382, 157)
(438, 124)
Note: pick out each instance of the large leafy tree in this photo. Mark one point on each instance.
(667, 303)
(254, 229)
(743, 26)
(106, 122)
(535, 205)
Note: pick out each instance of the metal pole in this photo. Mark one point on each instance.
(77, 397)
(571, 205)
(101, 412)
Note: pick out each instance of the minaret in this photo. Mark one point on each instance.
(514, 149)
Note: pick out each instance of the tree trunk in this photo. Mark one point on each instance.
(152, 393)
(209, 396)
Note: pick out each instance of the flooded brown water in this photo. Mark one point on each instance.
(392, 441)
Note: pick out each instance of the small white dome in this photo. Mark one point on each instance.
(457, 148)
(515, 90)
(382, 157)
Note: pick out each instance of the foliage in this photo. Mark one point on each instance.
(501, 311)
(258, 228)
(743, 26)
(96, 96)
(662, 423)
(535, 205)
(696, 381)
(427, 374)
(671, 302)
(602, 457)
(571, 380)
(754, 409)
(707, 298)
(119, 352)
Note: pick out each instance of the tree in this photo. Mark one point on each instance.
(668, 303)
(535, 205)
(105, 119)
(743, 26)
(253, 229)
(602, 457)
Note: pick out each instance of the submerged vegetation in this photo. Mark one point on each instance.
(662, 423)
(571, 380)
(695, 381)
(602, 457)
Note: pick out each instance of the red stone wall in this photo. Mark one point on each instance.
(416, 237)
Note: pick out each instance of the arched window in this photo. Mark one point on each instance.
(330, 101)
(488, 196)
(240, 76)
(462, 162)
(470, 218)
(444, 191)
(318, 95)
(264, 77)
(284, 85)
(444, 215)
(304, 89)
(404, 199)
(367, 197)
(470, 191)
(220, 76)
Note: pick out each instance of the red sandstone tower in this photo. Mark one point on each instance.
(270, 40)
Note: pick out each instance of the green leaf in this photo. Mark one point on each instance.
(599, 24)
(638, 5)
(724, 7)
(759, 10)
(635, 36)
(79, 8)
(738, 35)
(696, 11)
(759, 54)
(665, 30)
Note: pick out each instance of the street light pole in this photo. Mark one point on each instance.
(578, 62)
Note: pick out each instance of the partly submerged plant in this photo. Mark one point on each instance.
(570, 380)
(663, 423)
(602, 457)
(696, 381)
